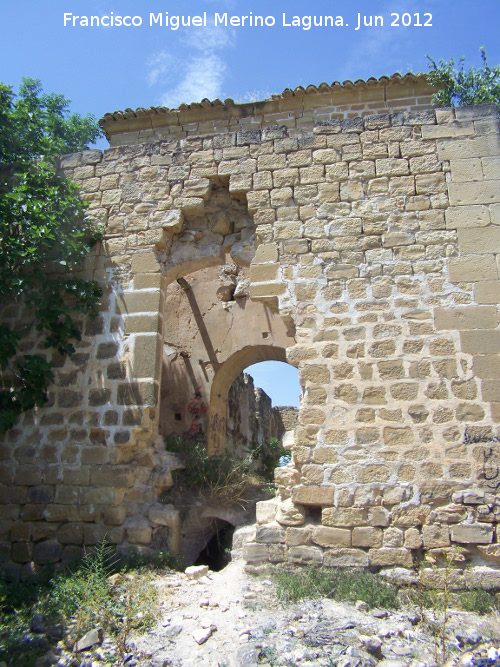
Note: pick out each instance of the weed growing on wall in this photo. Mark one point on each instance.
(221, 478)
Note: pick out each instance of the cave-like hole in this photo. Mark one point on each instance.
(217, 552)
(313, 513)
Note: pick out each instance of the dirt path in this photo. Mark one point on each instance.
(232, 619)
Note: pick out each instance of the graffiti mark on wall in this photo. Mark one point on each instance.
(217, 425)
(471, 437)
(491, 469)
(197, 408)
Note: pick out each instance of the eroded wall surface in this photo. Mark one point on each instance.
(372, 235)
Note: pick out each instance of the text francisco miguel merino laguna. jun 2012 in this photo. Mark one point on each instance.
(357, 21)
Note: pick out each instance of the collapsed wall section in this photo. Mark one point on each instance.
(373, 242)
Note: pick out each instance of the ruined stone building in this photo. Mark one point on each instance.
(352, 231)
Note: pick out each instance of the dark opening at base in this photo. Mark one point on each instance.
(217, 553)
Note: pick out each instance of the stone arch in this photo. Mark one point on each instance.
(206, 321)
(224, 378)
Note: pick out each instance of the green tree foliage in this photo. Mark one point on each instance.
(461, 87)
(44, 234)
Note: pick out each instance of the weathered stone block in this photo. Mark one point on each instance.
(271, 534)
(266, 510)
(481, 342)
(412, 515)
(346, 516)
(331, 537)
(49, 551)
(137, 393)
(471, 317)
(478, 533)
(345, 558)
(255, 553)
(366, 536)
(138, 302)
(387, 557)
(305, 555)
(435, 535)
(289, 514)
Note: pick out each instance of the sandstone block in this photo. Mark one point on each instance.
(139, 534)
(366, 536)
(289, 514)
(483, 577)
(137, 393)
(255, 553)
(22, 552)
(145, 262)
(456, 149)
(117, 476)
(487, 366)
(138, 302)
(480, 241)
(413, 539)
(478, 533)
(387, 557)
(436, 535)
(305, 555)
(372, 473)
(466, 194)
(296, 537)
(164, 515)
(379, 516)
(481, 342)
(469, 317)
(346, 516)
(487, 291)
(286, 476)
(412, 515)
(453, 129)
(114, 516)
(395, 437)
(323, 455)
(331, 537)
(393, 537)
(266, 252)
(345, 558)
(472, 268)
(49, 551)
(271, 534)
(391, 167)
(313, 495)
(470, 216)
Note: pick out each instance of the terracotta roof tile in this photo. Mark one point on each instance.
(299, 91)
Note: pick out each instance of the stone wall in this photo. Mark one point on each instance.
(370, 237)
(251, 419)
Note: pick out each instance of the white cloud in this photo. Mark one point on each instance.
(159, 66)
(253, 96)
(202, 77)
(210, 38)
(194, 68)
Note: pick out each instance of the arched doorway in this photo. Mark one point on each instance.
(222, 382)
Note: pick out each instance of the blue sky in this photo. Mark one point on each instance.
(103, 69)
(280, 381)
